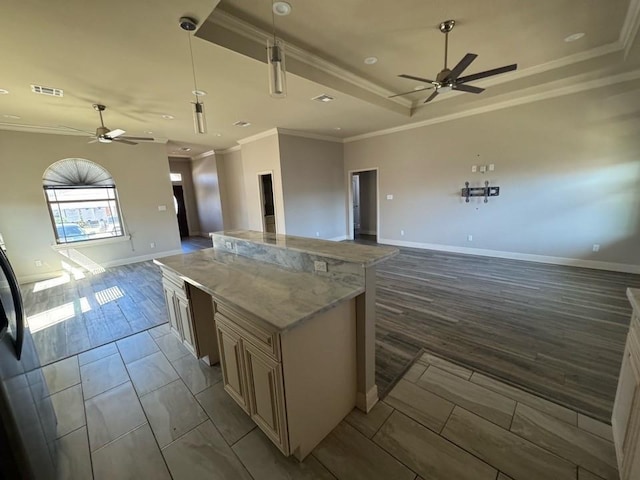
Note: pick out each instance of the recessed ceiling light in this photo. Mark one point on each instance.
(185, 149)
(199, 93)
(324, 98)
(242, 123)
(217, 134)
(282, 8)
(337, 128)
(3, 91)
(575, 36)
(149, 132)
(371, 60)
(168, 117)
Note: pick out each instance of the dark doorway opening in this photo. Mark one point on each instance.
(268, 204)
(181, 211)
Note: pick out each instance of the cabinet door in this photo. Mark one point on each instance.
(232, 363)
(186, 323)
(169, 297)
(265, 390)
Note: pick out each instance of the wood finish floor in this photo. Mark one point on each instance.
(553, 330)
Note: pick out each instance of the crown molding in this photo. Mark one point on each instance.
(630, 26)
(235, 148)
(251, 32)
(313, 136)
(258, 136)
(535, 97)
(202, 155)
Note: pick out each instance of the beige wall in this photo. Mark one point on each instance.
(183, 167)
(261, 156)
(368, 203)
(232, 190)
(207, 192)
(313, 187)
(141, 174)
(568, 169)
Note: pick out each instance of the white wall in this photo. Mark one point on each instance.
(313, 186)
(259, 156)
(183, 167)
(141, 174)
(568, 169)
(207, 191)
(232, 191)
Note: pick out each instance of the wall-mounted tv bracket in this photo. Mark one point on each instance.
(485, 191)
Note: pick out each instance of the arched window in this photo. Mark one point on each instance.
(82, 201)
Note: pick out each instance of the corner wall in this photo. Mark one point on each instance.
(232, 191)
(568, 169)
(141, 174)
(207, 191)
(183, 167)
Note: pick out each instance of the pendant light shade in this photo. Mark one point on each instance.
(277, 70)
(199, 120)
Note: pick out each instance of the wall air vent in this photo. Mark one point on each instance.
(52, 92)
(242, 123)
(324, 98)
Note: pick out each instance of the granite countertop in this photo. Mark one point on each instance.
(281, 297)
(365, 255)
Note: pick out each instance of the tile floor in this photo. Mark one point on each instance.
(143, 407)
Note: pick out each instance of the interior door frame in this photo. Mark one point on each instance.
(350, 200)
(261, 199)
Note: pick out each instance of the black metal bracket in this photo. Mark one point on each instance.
(485, 191)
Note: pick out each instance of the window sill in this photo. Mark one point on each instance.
(91, 243)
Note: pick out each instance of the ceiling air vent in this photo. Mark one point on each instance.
(52, 92)
(242, 123)
(323, 98)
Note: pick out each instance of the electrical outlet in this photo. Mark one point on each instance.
(483, 168)
(162, 208)
(317, 234)
(474, 169)
(402, 233)
(470, 238)
(492, 167)
(228, 245)
(389, 197)
(38, 263)
(596, 247)
(152, 245)
(320, 266)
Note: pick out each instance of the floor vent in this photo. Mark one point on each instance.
(52, 92)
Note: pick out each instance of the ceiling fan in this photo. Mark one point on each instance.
(448, 79)
(105, 135)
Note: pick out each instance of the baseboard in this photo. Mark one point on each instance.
(338, 239)
(141, 258)
(38, 277)
(368, 232)
(527, 257)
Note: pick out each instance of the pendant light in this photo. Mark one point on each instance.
(275, 57)
(199, 119)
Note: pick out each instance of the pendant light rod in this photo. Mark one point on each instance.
(199, 120)
(193, 69)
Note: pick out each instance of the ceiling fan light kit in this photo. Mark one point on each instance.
(450, 79)
(189, 25)
(275, 58)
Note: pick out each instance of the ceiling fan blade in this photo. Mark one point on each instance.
(95, 140)
(115, 133)
(468, 88)
(460, 67)
(122, 140)
(488, 73)
(420, 79)
(139, 139)
(411, 91)
(431, 97)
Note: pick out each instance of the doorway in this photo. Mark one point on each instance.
(268, 204)
(181, 211)
(363, 199)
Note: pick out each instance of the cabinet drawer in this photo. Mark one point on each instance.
(268, 342)
(173, 281)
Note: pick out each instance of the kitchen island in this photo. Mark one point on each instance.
(291, 321)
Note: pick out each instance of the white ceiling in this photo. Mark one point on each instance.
(133, 57)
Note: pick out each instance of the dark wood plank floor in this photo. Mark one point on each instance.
(556, 331)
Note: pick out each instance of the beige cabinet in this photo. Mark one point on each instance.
(169, 297)
(625, 419)
(296, 385)
(185, 319)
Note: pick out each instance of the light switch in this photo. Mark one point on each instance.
(389, 197)
(320, 266)
(483, 168)
(492, 167)
(162, 208)
(474, 169)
